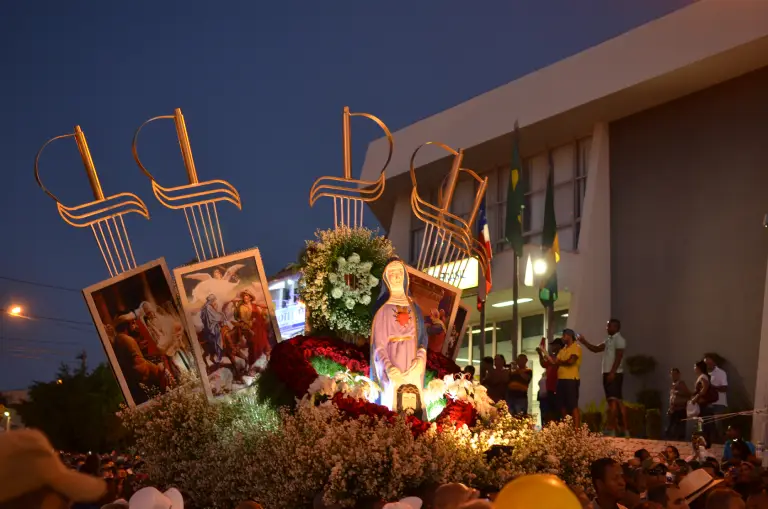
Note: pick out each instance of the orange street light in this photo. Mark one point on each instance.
(15, 310)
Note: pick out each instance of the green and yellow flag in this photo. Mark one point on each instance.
(515, 198)
(549, 242)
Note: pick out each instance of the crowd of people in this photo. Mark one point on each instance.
(699, 481)
(558, 388)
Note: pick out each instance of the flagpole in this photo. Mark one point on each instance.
(481, 307)
(515, 298)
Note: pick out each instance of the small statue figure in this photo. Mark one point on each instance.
(398, 344)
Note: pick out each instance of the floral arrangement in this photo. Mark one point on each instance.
(455, 390)
(441, 364)
(342, 449)
(340, 270)
(294, 365)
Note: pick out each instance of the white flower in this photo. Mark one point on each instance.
(336, 293)
(323, 385)
(350, 303)
(354, 258)
(365, 300)
(372, 281)
(341, 261)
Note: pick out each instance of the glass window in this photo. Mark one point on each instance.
(585, 149)
(533, 326)
(561, 321)
(462, 359)
(416, 238)
(463, 198)
(564, 205)
(504, 336)
(563, 159)
(538, 170)
(565, 238)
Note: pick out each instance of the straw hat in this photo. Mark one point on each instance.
(697, 483)
(29, 463)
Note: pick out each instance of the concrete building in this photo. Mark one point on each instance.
(659, 139)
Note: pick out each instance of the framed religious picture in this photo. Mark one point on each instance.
(438, 302)
(143, 331)
(230, 314)
(456, 333)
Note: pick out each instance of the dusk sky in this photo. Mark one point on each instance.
(262, 86)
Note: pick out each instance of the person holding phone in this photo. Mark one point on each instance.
(613, 374)
(568, 364)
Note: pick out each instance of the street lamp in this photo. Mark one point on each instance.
(540, 267)
(15, 310)
(7, 415)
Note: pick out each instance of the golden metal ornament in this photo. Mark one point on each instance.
(103, 213)
(448, 241)
(349, 198)
(197, 199)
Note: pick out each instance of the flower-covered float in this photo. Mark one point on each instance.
(312, 429)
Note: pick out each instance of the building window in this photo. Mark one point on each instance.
(570, 180)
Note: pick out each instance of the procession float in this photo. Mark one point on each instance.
(367, 405)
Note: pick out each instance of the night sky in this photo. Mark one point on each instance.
(262, 86)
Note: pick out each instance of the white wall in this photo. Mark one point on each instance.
(760, 422)
(591, 296)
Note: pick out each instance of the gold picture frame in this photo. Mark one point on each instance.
(432, 296)
(460, 326)
(229, 309)
(143, 331)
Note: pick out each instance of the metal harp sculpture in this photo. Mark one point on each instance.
(448, 243)
(104, 214)
(197, 199)
(349, 195)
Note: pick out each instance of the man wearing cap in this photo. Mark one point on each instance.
(33, 477)
(568, 362)
(613, 373)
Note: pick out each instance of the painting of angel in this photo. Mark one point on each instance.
(230, 311)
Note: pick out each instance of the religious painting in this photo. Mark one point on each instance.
(143, 332)
(457, 332)
(230, 314)
(438, 302)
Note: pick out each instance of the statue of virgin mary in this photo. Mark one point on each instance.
(398, 343)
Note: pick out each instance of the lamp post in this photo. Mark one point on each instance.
(14, 310)
(7, 415)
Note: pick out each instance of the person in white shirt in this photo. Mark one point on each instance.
(613, 374)
(719, 380)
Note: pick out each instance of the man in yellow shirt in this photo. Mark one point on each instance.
(568, 363)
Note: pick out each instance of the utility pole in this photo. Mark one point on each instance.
(83, 358)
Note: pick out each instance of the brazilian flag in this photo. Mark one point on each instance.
(549, 242)
(515, 198)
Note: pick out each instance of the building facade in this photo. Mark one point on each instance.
(659, 143)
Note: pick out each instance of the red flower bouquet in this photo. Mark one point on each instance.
(354, 408)
(441, 364)
(457, 413)
(290, 360)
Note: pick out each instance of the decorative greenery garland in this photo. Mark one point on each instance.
(340, 271)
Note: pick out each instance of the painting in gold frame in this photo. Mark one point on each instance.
(230, 316)
(438, 302)
(143, 331)
(457, 332)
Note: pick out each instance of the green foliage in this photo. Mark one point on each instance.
(653, 424)
(78, 414)
(636, 418)
(429, 376)
(649, 398)
(327, 367)
(334, 305)
(641, 365)
(272, 391)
